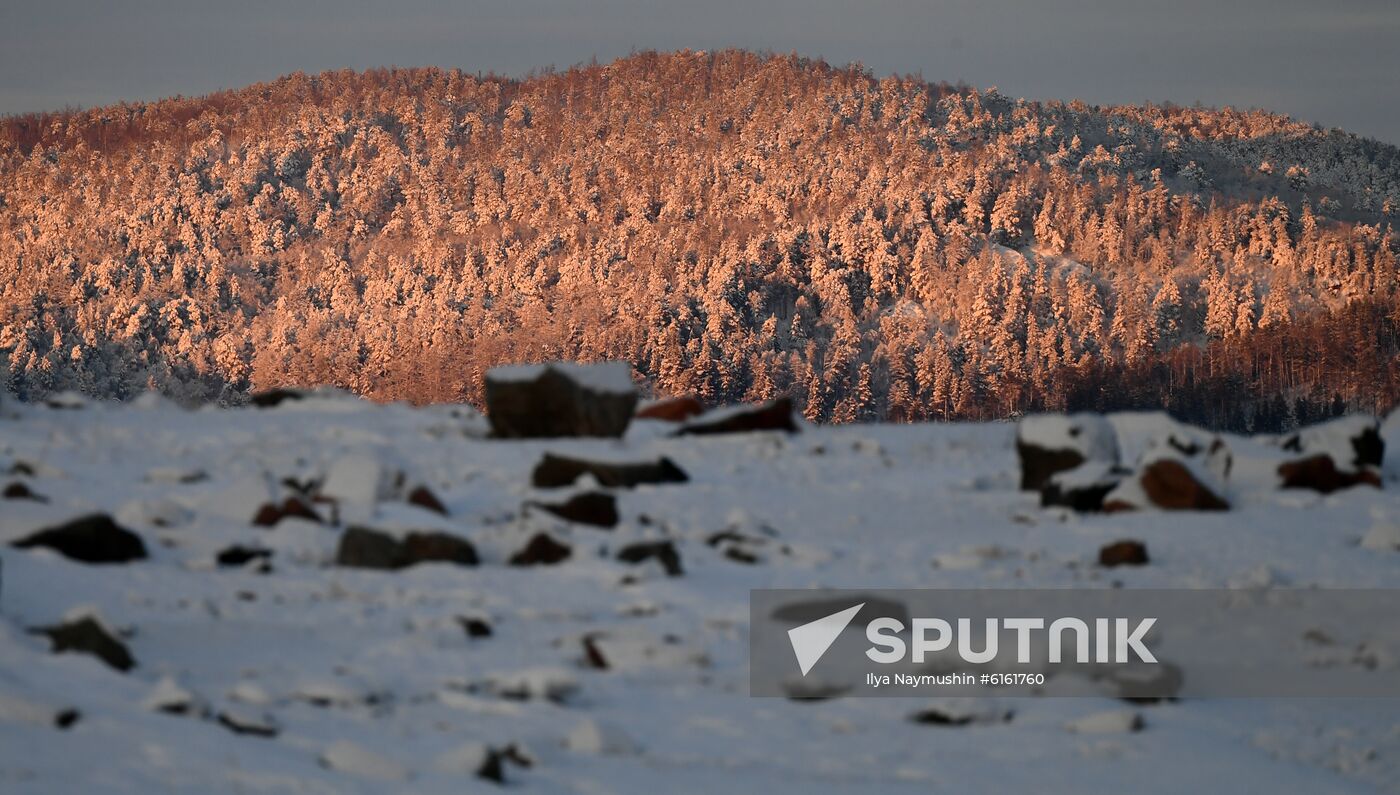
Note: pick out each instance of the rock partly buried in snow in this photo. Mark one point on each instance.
(248, 723)
(172, 699)
(1320, 473)
(591, 508)
(542, 550)
(1123, 553)
(424, 498)
(1050, 443)
(673, 409)
(269, 514)
(239, 555)
(663, 552)
(962, 712)
(1110, 722)
(475, 626)
(1353, 441)
(560, 399)
(554, 471)
(775, 415)
(361, 547)
(88, 539)
(19, 490)
(1168, 483)
(1082, 488)
(87, 635)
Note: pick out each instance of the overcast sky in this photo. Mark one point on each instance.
(1335, 62)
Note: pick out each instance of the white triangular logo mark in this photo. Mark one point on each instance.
(810, 641)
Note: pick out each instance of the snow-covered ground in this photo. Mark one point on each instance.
(371, 683)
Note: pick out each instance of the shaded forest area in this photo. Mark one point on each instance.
(736, 225)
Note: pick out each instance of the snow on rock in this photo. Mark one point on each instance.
(1169, 481)
(592, 737)
(361, 479)
(1352, 442)
(168, 696)
(560, 400)
(775, 415)
(356, 760)
(1050, 443)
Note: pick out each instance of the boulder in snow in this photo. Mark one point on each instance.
(88, 539)
(361, 547)
(554, 471)
(1082, 488)
(1109, 722)
(1169, 483)
(270, 513)
(19, 490)
(542, 550)
(87, 635)
(247, 723)
(1123, 553)
(1321, 474)
(663, 552)
(1051, 443)
(775, 415)
(424, 498)
(591, 507)
(1353, 441)
(560, 399)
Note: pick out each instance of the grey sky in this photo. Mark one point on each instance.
(1335, 62)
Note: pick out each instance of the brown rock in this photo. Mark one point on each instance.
(1039, 464)
(774, 415)
(1123, 553)
(274, 397)
(424, 497)
(554, 471)
(542, 550)
(1320, 474)
(673, 409)
(364, 548)
(1170, 485)
(269, 514)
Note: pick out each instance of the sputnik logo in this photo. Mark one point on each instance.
(811, 640)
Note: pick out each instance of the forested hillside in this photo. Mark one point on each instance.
(736, 225)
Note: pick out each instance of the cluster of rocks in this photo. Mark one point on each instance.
(1074, 461)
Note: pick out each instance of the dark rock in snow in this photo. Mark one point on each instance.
(935, 716)
(423, 497)
(1354, 441)
(664, 552)
(493, 765)
(560, 400)
(1082, 488)
(1320, 474)
(67, 718)
(87, 636)
(592, 655)
(89, 539)
(475, 627)
(542, 550)
(554, 471)
(271, 513)
(775, 415)
(361, 547)
(674, 409)
(1051, 443)
(238, 555)
(1123, 553)
(21, 491)
(274, 397)
(591, 508)
(248, 725)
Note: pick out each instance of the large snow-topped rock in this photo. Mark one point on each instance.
(1353, 441)
(1327, 457)
(1168, 480)
(1050, 443)
(560, 399)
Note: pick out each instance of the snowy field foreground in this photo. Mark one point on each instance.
(290, 674)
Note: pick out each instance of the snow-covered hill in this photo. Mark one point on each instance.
(289, 673)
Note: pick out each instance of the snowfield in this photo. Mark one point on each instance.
(279, 671)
